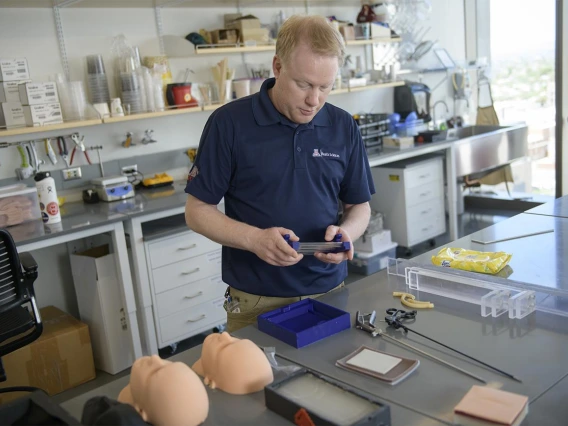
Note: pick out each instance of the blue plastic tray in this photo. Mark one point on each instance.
(303, 323)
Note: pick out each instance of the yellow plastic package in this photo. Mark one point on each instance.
(485, 262)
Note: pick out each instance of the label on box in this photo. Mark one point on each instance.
(12, 115)
(9, 91)
(38, 93)
(40, 115)
(14, 69)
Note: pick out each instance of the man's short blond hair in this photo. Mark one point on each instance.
(316, 32)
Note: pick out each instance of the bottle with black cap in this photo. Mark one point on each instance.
(47, 194)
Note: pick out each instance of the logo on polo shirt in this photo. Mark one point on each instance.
(192, 173)
(319, 153)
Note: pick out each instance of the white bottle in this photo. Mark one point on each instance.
(47, 194)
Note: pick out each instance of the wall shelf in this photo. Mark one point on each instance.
(236, 49)
(146, 115)
(375, 40)
(40, 129)
(377, 86)
(168, 113)
(172, 3)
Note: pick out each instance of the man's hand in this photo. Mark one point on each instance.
(270, 245)
(330, 233)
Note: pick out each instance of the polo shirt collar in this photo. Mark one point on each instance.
(265, 113)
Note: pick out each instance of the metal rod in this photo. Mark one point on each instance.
(512, 238)
(420, 351)
(405, 328)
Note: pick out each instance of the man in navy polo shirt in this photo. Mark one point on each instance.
(283, 160)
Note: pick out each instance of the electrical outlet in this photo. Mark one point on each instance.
(129, 170)
(72, 174)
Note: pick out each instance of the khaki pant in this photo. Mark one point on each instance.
(252, 306)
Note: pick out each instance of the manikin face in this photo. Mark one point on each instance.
(166, 393)
(233, 365)
(302, 84)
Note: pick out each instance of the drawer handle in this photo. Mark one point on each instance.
(187, 248)
(199, 318)
(199, 293)
(425, 193)
(426, 211)
(426, 229)
(423, 176)
(193, 271)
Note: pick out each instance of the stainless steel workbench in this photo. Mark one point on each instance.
(558, 208)
(538, 260)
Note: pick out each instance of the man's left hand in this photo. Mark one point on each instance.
(330, 233)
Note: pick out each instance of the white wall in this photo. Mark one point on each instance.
(31, 33)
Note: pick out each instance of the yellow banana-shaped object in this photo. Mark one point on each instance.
(409, 300)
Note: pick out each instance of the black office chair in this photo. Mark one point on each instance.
(20, 322)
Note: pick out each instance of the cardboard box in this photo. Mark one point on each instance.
(60, 359)
(228, 18)
(9, 90)
(38, 93)
(245, 22)
(260, 35)
(380, 30)
(100, 306)
(377, 242)
(12, 115)
(14, 69)
(399, 142)
(348, 32)
(224, 36)
(41, 115)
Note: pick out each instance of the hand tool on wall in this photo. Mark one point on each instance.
(80, 145)
(63, 152)
(98, 149)
(127, 143)
(49, 151)
(36, 162)
(148, 137)
(25, 170)
(395, 319)
(368, 325)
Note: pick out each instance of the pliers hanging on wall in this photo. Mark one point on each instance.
(79, 143)
(63, 152)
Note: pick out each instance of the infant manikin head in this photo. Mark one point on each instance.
(166, 393)
(233, 365)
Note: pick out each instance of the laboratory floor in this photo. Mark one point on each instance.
(469, 222)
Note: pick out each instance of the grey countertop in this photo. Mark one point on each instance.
(79, 216)
(225, 409)
(515, 346)
(558, 208)
(538, 260)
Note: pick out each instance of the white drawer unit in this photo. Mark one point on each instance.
(189, 295)
(184, 271)
(192, 321)
(180, 247)
(410, 194)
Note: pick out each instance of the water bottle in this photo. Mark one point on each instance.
(47, 194)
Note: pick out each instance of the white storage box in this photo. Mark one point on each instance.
(14, 69)
(38, 93)
(41, 115)
(18, 203)
(12, 115)
(374, 243)
(369, 263)
(9, 91)
(100, 306)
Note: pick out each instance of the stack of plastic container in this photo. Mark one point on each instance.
(97, 80)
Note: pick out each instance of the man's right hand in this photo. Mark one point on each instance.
(270, 245)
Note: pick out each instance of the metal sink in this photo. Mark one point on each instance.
(466, 132)
(481, 148)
